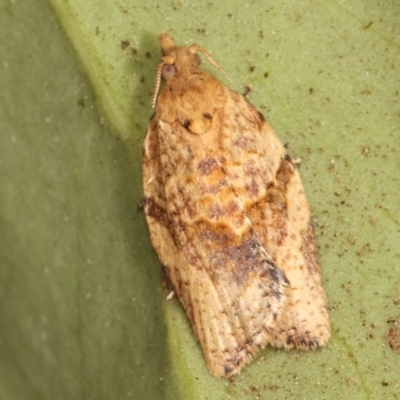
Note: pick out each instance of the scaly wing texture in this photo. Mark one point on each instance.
(279, 214)
(226, 216)
(229, 286)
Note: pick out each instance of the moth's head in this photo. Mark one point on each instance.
(178, 62)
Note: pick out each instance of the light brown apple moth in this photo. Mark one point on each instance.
(228, 218)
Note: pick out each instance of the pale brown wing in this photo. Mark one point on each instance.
(231, 289)
(273, 197)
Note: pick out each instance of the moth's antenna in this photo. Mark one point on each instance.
(158, 82)
(195, 48)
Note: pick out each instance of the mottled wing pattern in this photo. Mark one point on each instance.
(278, 210)
(230, 287)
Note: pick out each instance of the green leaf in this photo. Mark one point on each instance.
(82, 311)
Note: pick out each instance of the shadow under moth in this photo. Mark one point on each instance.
(228, 218)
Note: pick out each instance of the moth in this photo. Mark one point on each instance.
(228, 218)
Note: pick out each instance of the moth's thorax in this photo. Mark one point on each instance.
(191, 100)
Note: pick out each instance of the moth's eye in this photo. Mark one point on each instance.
(168, 72)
